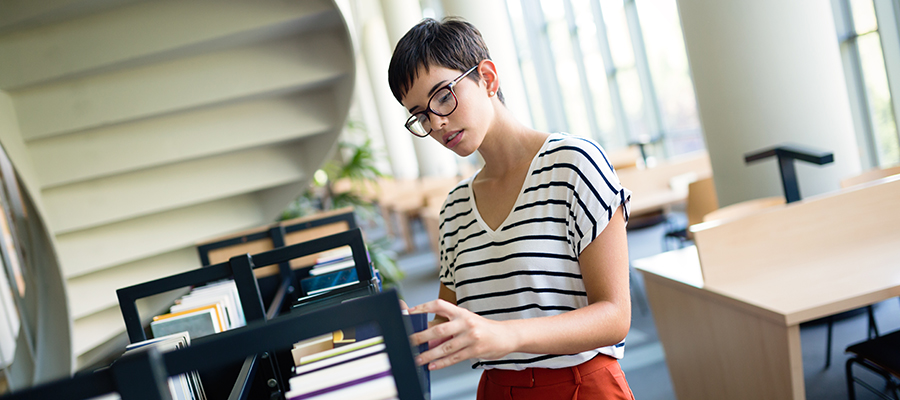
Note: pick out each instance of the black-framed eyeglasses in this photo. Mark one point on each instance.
(442, 103)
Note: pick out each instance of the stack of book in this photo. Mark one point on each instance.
(334, 279)
(184, 386)
(322, 343)
(333, 269)
(360, 370)
(205, 310)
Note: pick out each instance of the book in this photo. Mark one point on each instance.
(334, 255)
(183, 386)
(332, 297)
(224, 292)
(377, 387)
(338, 359)
(320, 269)
(337, 380)
(217, 307)
(199, 323)
(312, 346)
(342, 350)
(221, 301)
(332, 280)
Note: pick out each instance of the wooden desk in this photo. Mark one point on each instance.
(744, 208)
(731, 329)
(650, 187)
(405, 199)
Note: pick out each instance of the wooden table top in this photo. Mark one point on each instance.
(841, 280)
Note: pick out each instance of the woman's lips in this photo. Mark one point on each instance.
(452, 138)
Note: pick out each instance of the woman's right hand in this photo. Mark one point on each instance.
(458, 334)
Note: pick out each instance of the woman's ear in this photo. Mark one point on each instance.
(488, 71)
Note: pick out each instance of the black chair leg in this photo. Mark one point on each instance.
(880, 393)
(828, 342)
(872, 326)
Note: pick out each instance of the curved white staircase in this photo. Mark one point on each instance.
(143, 127)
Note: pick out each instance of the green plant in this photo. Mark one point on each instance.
(356, 164)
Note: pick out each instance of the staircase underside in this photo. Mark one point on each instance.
(143, 127)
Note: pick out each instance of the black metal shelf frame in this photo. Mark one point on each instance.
(287, 278)
(142, 375)
(240, 268)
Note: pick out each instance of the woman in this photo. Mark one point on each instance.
(534, 257)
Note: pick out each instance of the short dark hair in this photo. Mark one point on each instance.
(451, 43)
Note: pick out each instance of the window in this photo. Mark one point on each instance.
(592, 68)
(870, 47)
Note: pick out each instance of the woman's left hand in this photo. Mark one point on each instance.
(465, 335)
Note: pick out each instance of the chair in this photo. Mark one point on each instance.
(626, 157)
(865, 177)
(870, 175)
(744, 208)
(880, 355)
(701, 200)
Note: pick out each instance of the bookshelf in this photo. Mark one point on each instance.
(142, 375)
(273, 236)
(241, 269)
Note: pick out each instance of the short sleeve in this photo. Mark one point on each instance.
(454, 208)
(598, 192)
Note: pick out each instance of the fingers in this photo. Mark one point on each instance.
(437, 332)
(403, 305)
(446, 354)
(437, 307)
(437, 320)
(436, 342)
(459, 338)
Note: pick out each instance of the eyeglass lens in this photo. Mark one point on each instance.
(442, 103)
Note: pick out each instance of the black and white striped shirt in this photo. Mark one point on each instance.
(528, 267)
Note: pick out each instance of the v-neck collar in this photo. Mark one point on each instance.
(473, 204)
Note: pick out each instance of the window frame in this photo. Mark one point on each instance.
(542, 52)
(887, 13)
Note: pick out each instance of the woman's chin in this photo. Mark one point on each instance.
(463, 151)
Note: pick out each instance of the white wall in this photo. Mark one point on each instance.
(768, 72)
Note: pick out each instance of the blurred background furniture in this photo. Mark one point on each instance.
(655, 190)
(880, 355)
(728, 317)
(701, 200)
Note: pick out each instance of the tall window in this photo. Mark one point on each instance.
(870, 47)
(613, 70)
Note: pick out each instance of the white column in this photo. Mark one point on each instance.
(492, 19)
(398, 140)
(768, 72)
(433, 159)
(364, 108)
(362, 105)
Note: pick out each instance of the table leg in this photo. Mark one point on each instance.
(716, 349)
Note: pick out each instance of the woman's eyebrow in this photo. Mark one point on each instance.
(436, 87)
(430, 92)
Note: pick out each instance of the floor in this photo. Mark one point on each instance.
(644, 363)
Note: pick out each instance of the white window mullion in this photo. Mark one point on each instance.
(544, 66)
(582, 74)
(888, 14)
(612, 83)
(856, 85)
(651, 103)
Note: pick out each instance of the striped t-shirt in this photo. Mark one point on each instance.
(528, 267)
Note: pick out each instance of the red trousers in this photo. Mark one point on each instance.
(599, 378)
